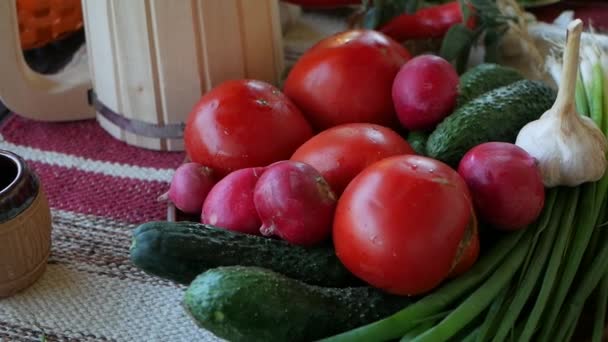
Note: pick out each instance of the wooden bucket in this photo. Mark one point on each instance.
(149, 62)
(25, 226)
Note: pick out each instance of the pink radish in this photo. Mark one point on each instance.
(190, 185)
(229, 205)
(295, 203)
(425, 92)
(505, 183)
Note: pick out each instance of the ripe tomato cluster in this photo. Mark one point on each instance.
(403, 222)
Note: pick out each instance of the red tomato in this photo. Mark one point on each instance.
(243, 124)
(347, 78)
(468, 252)
(342, 152)
(399, 223)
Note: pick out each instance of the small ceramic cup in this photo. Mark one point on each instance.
(25, 225)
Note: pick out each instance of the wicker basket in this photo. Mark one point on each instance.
(25, 226)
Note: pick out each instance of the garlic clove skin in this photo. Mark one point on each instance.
(568, 152)
(569, 149)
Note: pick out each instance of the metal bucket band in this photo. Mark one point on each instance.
(137, 127)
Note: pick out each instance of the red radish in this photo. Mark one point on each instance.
(190, 185)
(295, 203)
(425, 92)
(229, 205)
(505, 183)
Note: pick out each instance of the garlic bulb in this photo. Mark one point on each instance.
(570, 149)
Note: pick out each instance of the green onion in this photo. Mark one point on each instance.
(473, 336)
(585, 223)
(397, 325)
(423, 325)
(569, 330)
(419, 329)
(482, 297)
(600, 92)
(550, 201)
(596, 106)
(591, 278)
(539, 260)
(495, 313)
(582, 106)
(551, 274)
(600, 313)
(604, 127)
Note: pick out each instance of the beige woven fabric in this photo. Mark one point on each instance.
(89, 298)
(90, 291)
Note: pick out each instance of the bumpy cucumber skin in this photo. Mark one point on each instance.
(180, 251)
(252, 304)
(497, 115)
(483, 78)
(417, 140)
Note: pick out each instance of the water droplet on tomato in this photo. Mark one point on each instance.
(262, 102)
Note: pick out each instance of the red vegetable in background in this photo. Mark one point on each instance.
(244, 123)
(323, 3)
(428, 22)
(342, 152)
(589, 11)
(347, 78)
(399, 223)
(230, 204)
(189, 187)
(424, 92)
(295, 203)
(505, 183)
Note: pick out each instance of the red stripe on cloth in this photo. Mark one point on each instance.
(122, 199)
(85, 139)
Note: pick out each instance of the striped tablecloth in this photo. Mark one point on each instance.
(99, 189)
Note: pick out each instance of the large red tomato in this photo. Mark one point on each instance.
(468, 251)
(399, 223)
(347, 78)
(244, 123)
(342, 152)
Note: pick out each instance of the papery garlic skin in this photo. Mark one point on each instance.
(569, 149)
(568, 152)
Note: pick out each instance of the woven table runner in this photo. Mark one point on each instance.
(99, 189)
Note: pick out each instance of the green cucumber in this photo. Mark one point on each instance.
(497, 115)
(180, 251)
(254, 304)
(417, 140)
(483, 78)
